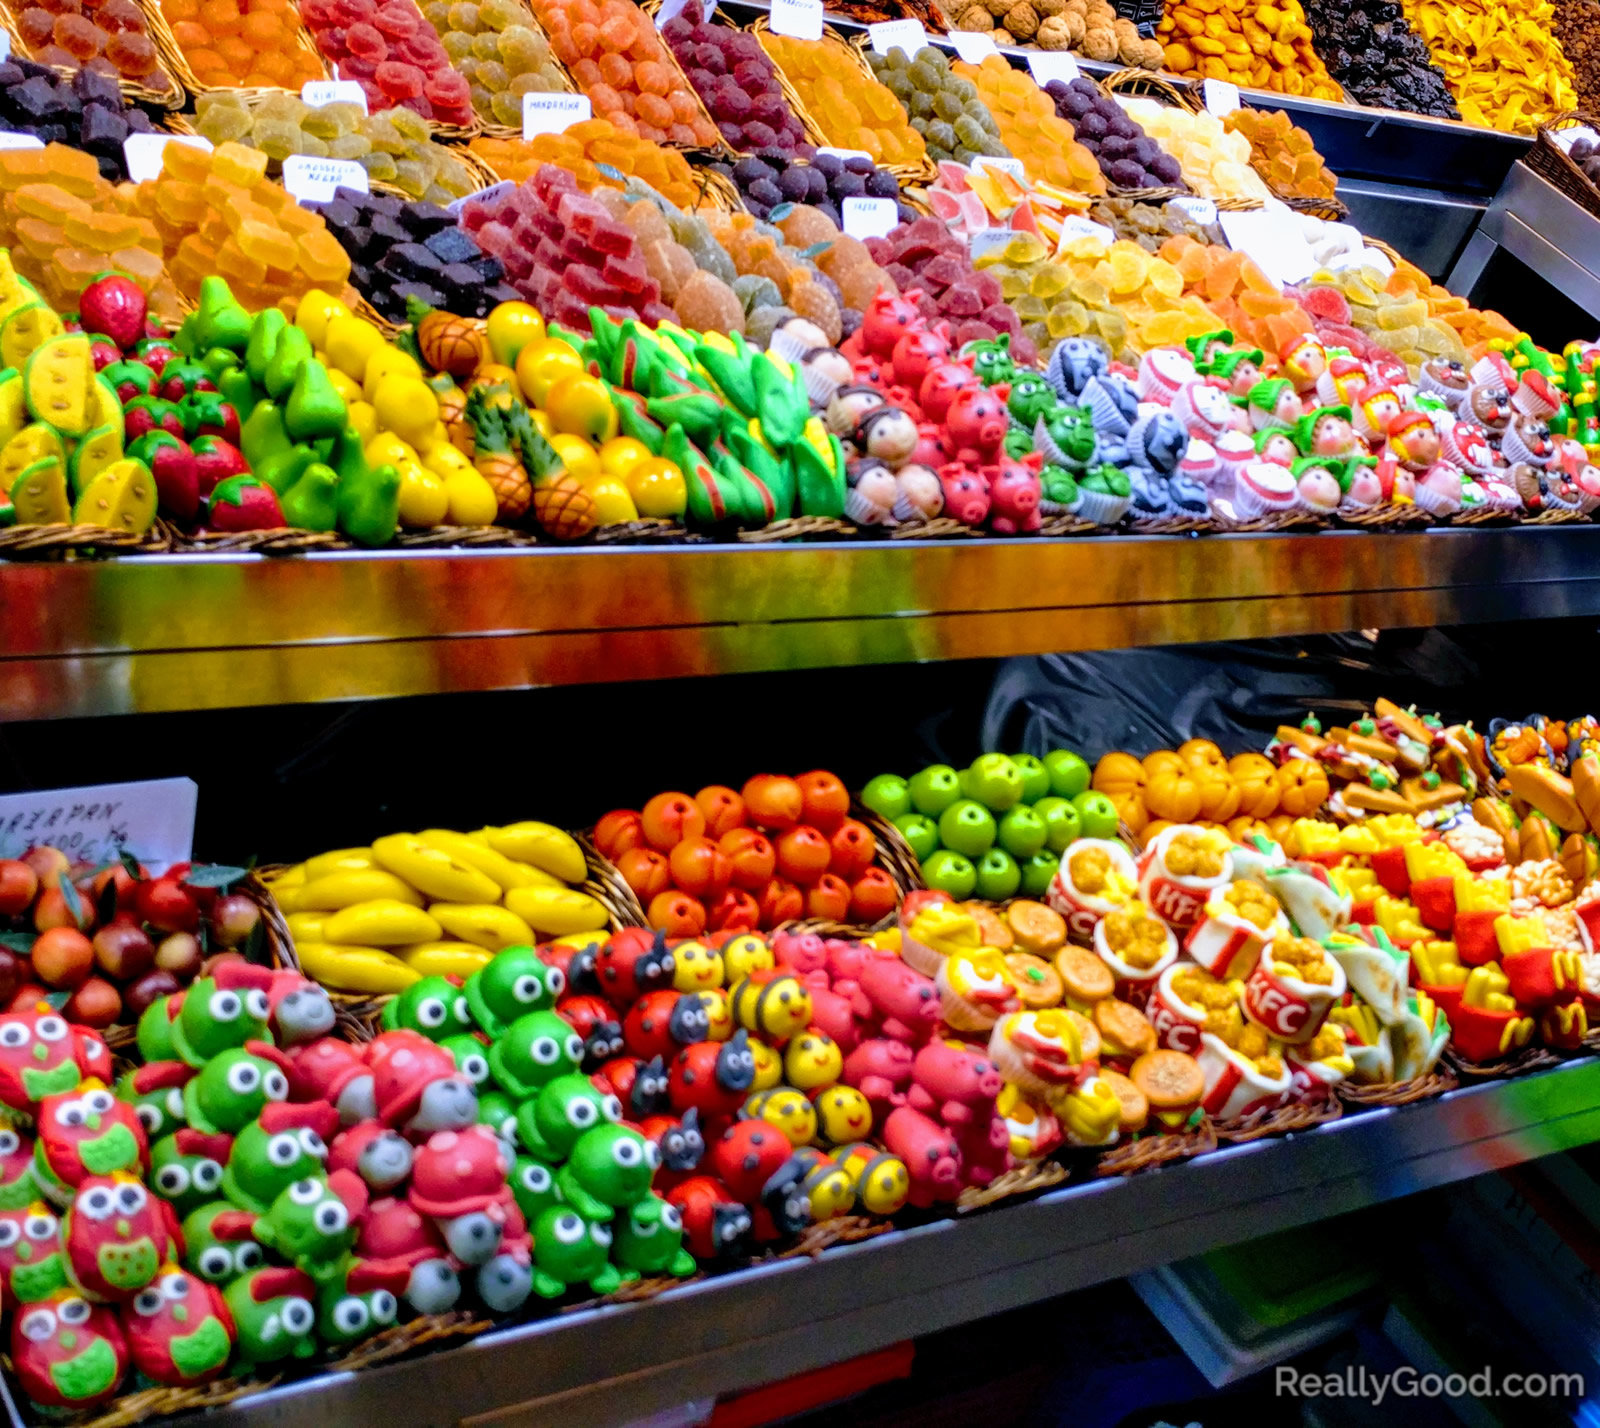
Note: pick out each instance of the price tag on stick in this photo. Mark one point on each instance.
(974, 46)
(553, 113)
(799, 19)
(313, 180)
(143, 152)
(907, 35)
(1221, 96)
(870, 217)
(317, 92)
(1046, 65)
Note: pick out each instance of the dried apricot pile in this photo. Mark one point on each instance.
(851, 108)
(583, 148)
(1282, 153)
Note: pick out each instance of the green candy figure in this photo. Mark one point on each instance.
(155, 1092)
(222, 1011)
(610, 1166)
(568, 1249)
(472, 1058)
(219, 1243)
(359, 1302)
(536, 1048)
(273, 1318)
(650, 1240)
(433, 1007)
(548, 1126)
(232, 1090)
(514, 983)
(533, 1186)
(186, 1169)
(499, 1112)
(310, 1223)
(284, 1144)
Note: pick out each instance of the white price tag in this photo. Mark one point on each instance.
(799, 19)
(1271, 238)
(846, 153)
(153, 820)
(870, 217)
(1221, 96)
(553, 113)
(669, 11)
(1197, 210)
(143, 152)
(20, 141)
(907, 35)
(1011, 166)
(1046, 65)
(483, 195)
(989, 240)
(317, 92)
(312, 180)
(1074, 227)
(974, 46)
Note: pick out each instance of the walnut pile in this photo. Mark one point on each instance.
(1091, 27)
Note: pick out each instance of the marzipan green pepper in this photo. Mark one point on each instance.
(312, 503)
(290, 353)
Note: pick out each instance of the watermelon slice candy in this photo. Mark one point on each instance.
(1326, 304)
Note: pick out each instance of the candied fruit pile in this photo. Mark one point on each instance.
(400, 250)
(1246, 300)
(925, 256)
(565, 253)
(394, 146)
(1151, 224)
(501, 53)
(247, 43)
(582, 148)
(219, 213)
(1117, 292)
(1128, 157)
(1405, 313)
(612, 50)
(1031, 129)
(107, 36)
(845, 261)
(1282, 153)
(944, 107)
(86, 111)
(1265, 44)
(1506, 67)
(1215, 161)
(64, 224)
(825, 183)
(737, 83)
(850, 108)
(393, 54)
(696, 275)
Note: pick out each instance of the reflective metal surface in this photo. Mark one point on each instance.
(198, 632)
(622, 1362)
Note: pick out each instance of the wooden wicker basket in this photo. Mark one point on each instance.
(163, 91)
(1551, 162)
(173, 58)
(67, 541)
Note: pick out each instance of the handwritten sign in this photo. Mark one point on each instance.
(317, 92)
(989, 240)
(907, 35)
(974, 46)
(553, 113)
(1073, 227)
(869, 217)
(153, 820)
(1197, 210)
(313, 180)
(1221, 96)
(143, 152)
(1010, 166)
(799, 19)
(1046, 65)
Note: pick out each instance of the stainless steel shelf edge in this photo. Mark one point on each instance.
(616, 1363)
(201, 632)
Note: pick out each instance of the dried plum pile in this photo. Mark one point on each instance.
(1378, 58)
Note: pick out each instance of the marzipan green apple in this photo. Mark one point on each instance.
(947, 871)
(934, 789)
(1097, 814)
(1035, 777)
(1039, 872)
(967, 827)
(994, 781)
(888, 796)
(1069, 775)
(1022, 832)
(921, 834)
(1061, 822)
(999, 877)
